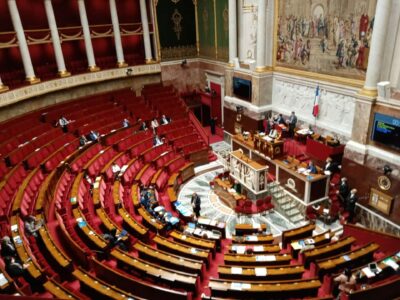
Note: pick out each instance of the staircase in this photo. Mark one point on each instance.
(285, 204)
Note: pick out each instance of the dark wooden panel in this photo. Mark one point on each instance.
(363, 178)
(248, 124)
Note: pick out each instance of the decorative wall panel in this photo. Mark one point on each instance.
(325, 36)
(177, 28)
(205, 11)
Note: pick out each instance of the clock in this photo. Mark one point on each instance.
(384, 182)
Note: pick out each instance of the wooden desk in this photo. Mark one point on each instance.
(331, 249)
(321, 151)
(248, 229)
(306, 187)
(58, 291)
(259, 290)
(319, 240)
(295, 234)
(173, 278)
(140, 288)
(387, 290)
(149, 220)
(250, 273)
(223, 189)
(181, 249)
(99, 288)
(255, 260)
(193, 241)
(133, 226)
(212, 225)
(357, 257)
(163, 258)
(272, 148)
(253, 239)
(254, 248)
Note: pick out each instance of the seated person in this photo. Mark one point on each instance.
(89, 181)
(311, 168)
(115, 168)
(164, 120)
(83, 140)
(143, 126)
(14, 268)
(93, 136)
(63, 122)
(273, 134)
(157, 141)
(280, 119)
(115, 240)
(154, 124)
(7, 247)
(346, 281)
(125, 123)
(32, 226)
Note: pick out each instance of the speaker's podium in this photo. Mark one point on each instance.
(251, 174)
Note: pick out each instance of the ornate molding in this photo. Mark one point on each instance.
(17, 95)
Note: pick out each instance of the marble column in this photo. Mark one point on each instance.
(86, 35)
(146, 32)
(155, 29)
(269, 36)
(117, 35)
(23, 46)
(261, 28)
(232, 32)
(3, 87)
(62, 70)
(378, 39)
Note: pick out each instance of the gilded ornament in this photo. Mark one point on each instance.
(177, 19)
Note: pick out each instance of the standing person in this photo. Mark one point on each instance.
(346, 282)
(7, 247)
(343, 190)
(292, 123)
(212, 125)
(32, 226)
(351, 204)
(330, 166)
(196, 204)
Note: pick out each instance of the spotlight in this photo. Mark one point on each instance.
(387, 170)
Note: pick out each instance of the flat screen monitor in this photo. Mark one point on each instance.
(242, 88)
(386, 130)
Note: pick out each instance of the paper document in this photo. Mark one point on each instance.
(236, 270)
(261, 271)
(368, 272)
(3, 279)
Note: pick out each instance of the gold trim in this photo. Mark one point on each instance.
(275, 33)
(215, 30)
(93, 69)
(196, 18)
(369, 92)
(263, 69)
(157, 34)
(3, 88)
(121, 64)
(63, 73)
(149, 61)
(231, 64)
(32, 80)
(323, 77)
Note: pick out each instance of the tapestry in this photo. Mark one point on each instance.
(325, 36)
(177, 28)
(222, 13)
(205, 12)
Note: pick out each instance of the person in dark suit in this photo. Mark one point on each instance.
(280, 119)
(143, 126)
(212, 125)
(344, 190)
(292, 123)
(13, 268)
(7, 247)
(311, 167)
(196, 204)
(351, 204)
(330, 166)
(114, 240)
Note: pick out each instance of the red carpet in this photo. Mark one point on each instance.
(218, 137)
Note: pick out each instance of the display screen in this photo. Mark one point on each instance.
(242, 88)
(386, 130)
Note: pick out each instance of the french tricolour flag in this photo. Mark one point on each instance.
(316, 102)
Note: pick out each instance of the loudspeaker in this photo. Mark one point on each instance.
(384, 89)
